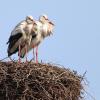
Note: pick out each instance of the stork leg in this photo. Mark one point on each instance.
(26, 49)
(33, 54)
(19, 60)
(37, 54)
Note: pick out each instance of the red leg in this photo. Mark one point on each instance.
(36, 54)
(26, 52)
(33, 54)
(19, 55)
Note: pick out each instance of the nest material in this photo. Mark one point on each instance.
(40, 81)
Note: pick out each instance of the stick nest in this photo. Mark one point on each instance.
(31, 81)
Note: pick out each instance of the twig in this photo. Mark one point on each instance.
(89, 94)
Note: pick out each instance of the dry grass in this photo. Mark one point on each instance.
(40, 81)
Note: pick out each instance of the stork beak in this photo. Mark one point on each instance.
(51, 23)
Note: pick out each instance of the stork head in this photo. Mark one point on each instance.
(43, 18)
(48, 29)
(29, 19)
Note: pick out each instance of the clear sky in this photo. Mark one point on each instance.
(76, 40)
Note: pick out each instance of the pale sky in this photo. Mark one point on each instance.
(76, 40)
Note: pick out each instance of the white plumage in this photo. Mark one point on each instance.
(21, 35)
(30, 34)
(43, 28)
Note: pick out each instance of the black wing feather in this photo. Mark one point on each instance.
(12, 40)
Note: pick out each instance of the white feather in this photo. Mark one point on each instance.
(41, 29)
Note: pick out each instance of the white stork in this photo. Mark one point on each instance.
(43, 28)
(21, 37)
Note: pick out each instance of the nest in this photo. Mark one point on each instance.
(31, 81)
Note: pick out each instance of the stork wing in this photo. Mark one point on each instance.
(19, 28)
(16, 34)
(12, 41)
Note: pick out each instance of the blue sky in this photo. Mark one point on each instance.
(76, 40)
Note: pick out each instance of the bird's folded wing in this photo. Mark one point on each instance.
(15, 36)
(19, 28)
(13, 43)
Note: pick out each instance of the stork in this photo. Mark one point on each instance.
(21, 37)
(43, 28)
